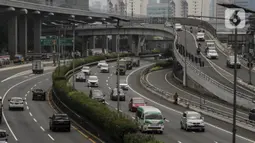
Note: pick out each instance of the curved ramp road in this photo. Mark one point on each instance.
(207, 69)
(172, 132)
(32, 124)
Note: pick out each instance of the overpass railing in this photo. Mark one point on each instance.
(223, 92)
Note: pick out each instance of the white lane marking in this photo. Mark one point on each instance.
(167, 120)
(215, 142)
(5, 94)
(51, 137)
(173, 110)
(107, 103)
(25, 98)
(27, 108)
(32, 88)
(108, 77)
(34, 119)
(107, 84)
(30, 114)
(197, 96)
(28, 92)
(109, 88)
(111, 74)
(26, 103)
(25, 95)
(42, 128)
(193, 132)
(39, 82)
(179, 142)
(106, 80)
(35, 85)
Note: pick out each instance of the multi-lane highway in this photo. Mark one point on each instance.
(216, 131)
(208, 69)
(32, 124)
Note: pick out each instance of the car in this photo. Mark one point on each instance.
(135, 102)
(123, 85)
(39, 94)
(178, 27)
(86, 70)
(114, 96)
(252, 114)
(136, 62)
(192, 120)
(80, 77)
(104, 68)
(97, 95)
(60, 121)
(3, 136)
(100, 63)
(231, 62)
(200, 36)
(16, 103)
(212, 54)
(93, 81)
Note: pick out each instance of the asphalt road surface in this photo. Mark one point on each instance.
(172, 133)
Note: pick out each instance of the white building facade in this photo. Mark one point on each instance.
(198, 8)
(181, 8)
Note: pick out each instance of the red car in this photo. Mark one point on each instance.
(136, 102)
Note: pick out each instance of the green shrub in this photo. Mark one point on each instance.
(140, 138)
(114, 125)
(156, 68)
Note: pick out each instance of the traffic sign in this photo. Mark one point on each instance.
(66, 41)
(53, 41)
(47, 42)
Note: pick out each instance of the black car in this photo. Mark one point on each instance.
(97, 95)
(252, 114)
(60, 121)
(114, 95)
(39, 94)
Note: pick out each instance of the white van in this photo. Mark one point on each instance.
(200, 36)
(178, 27)
(150, 118)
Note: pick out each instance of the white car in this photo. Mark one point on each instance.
(192, 120)
(80, 77)
(178, 27)
(123, 85)
(100, 63)
(104, 68)
(200, 36)
(86, 70)
(212, 54)
(16, 103)
(93, 81)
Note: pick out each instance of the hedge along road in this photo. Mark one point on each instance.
(32, 124)
(172, 132)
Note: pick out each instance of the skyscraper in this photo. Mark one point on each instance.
(198, 7)
(181, 8)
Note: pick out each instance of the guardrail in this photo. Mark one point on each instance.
(188, 103)
(223, 92)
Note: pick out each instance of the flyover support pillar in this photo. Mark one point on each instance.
(37, 34)
(114, 43)
(105, 45)
(12, 36)
(131, 44)
(92, 42)
(23, 35)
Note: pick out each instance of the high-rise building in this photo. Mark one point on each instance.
(163, 9)
(181, 8)
(152, 1)
(250, 4)
(143, 7)
(75, 4)
(198, 8)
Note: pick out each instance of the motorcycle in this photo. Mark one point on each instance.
(198, 51)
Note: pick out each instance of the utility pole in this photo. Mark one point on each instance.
(59, 36)
(73, 53)
(185, 56)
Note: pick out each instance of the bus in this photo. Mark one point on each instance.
(149, 118)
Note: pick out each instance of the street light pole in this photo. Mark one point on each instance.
(234, 100)
(73, 53)
(118, 67)
(59, 50)
(185, 57)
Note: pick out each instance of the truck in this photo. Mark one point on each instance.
(37, 67)
(122, 67)
(129, 63)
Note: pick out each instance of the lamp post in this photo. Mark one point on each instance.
(185, 56)
(118, 26)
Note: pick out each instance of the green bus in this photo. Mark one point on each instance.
(150, 118)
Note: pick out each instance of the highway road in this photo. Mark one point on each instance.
(32, 124)
(172, 113)
(207, 69)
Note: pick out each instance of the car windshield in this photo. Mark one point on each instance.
(232, 59)
(101, 62)
(2, 134)
(16, 99)
(141, 101)
(39, 90)
(193, 116)
(97, 93)
(155, 116)
(63, 117)
(85, 68)
(104, 65)
(93, 78)
(121, 91)
(212, 51)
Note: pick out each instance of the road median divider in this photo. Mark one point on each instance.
(202, 108)
(96, 118)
